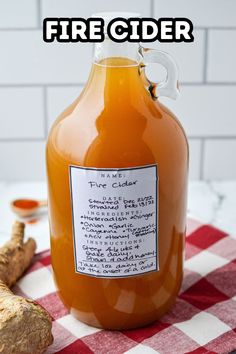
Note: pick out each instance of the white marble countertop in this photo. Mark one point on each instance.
(209, 202)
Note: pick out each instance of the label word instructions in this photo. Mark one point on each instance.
(115, 220)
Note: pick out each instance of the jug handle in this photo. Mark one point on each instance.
(168, 87)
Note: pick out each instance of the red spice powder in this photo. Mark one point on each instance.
(25, 203)
(32, 221)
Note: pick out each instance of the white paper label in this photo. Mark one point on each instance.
(115, 220)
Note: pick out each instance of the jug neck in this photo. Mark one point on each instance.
(109, 49)
(115, 74)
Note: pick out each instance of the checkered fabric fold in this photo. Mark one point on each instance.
(203, 319)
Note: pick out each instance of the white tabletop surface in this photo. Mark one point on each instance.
(209, 202)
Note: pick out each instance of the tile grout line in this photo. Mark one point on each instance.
(209, 83)
(205, 58)
(39, 11)
(61, 84)
(12, 29)
(214, 28)
(152, 8)
(21, 140)
(222, 138)
(45, 111)
(216, 137)
(202, 158)
(32, 85)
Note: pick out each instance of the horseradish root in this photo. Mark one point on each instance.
(25, 327)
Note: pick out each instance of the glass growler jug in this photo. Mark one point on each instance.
(117, 166)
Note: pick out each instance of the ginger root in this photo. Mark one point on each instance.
(25, 327)
(15, 255)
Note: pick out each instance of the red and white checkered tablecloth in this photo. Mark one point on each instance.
(203, 319)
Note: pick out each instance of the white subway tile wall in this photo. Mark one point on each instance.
(206, 111)
(38, 80)
(210, 13)
(59, 98)
(22, 160)
(27, 59)
(22, 113)
(75, 8)
(195, 146)
(220, 161)
(222, 56)
(18, 14)
(189, 57)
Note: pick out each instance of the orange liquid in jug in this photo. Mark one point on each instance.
(116, 124)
